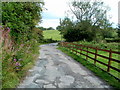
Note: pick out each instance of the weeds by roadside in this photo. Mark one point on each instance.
(16, 58)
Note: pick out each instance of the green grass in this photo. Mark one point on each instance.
(97, 71)
(113, 63)
(103, 45)
(52, 34)
(11, 78)
(28, 55)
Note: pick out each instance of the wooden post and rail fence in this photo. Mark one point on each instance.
(75, 47)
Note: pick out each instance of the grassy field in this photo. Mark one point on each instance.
(113, 63)
(107, 46)
(97, 71)
(52, 34)
(103, 45)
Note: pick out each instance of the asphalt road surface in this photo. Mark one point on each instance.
(54, 69)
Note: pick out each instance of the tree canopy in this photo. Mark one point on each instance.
(91, 19)
(95, 12)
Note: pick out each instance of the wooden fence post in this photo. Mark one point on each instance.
(71, 48)
(62, 44)
(96, 51)
(76, 50)
(109, 62)
(81, 50)
(87, 54)
(68, 47)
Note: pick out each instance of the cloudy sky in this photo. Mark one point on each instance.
(56, 10)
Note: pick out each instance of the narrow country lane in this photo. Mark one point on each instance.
(54, 69)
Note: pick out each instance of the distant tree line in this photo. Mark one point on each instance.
(43, 28)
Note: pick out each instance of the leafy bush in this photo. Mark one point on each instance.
(21, 18)
(109, 33)
(16, 58)
(20, 42)
(37, 34)
(84, 30)
(113, 40)
(90, 24)
(76, 31)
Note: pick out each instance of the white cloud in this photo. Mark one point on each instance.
(113, 4)
(50, 23)
(57, 7)
(56, 10)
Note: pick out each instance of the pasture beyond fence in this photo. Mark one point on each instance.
(107, 60)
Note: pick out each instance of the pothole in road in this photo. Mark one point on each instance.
(47, 54)
(45, 50)
(66, 81)
(32, 85)
(42, 82)
(42, 58)
(49, 86)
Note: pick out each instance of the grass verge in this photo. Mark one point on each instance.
(12, 73)
(97, 71)
(99, 58)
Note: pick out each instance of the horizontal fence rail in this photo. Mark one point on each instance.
(75, 47)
